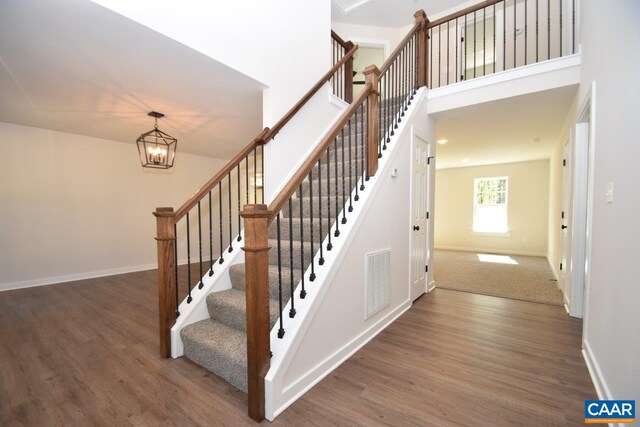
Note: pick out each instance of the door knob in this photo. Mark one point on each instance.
(563, 227)
(416, 228)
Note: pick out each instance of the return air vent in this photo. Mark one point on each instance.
(378, 281)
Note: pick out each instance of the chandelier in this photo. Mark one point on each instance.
(157, 149)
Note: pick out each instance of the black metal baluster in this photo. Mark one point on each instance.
(303, 292)
(548, 29)
(350, 166)
(537, 25)
(387, 111)
(403, 54)
(357, 177)
(239, 208)
(281, 329)
(366, 146)
(246, 176)
(464, 37)
(211, 260)
(440, 55)
(344, 177)
(292, 310)
(382, 141)
(495, 59)
(560, 53)
(312, 253)
(335, 182)
(175, 265)
(320, 239)
(262, 173)
(329, 244)
(255, 176)
(573, 26)
(221, 260)
(475, 39)
(362, 158)
(457, 38)
(484, 41)
(525, 32)
(431, 58)
(515, 20)
(230, 216)
(396, 98)
(189, 299)
(448, 69)
(504, 35)
(200, 284)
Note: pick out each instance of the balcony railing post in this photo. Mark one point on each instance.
(422, 71)
(348, 75)
(166, 276)
(256, 247)
(372, 75)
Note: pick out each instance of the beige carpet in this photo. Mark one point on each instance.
(525, 278)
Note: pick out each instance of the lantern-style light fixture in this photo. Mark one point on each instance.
(156, 148)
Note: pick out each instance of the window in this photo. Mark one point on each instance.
(490, 205)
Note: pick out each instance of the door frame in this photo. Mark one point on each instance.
(582, 205)
(429, 282)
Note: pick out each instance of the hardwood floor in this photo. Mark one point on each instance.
(86, 353)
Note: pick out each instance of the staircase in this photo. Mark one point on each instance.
(219, 344)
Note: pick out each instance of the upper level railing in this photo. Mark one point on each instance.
(319, 199)
(498, 35)
(195, 238)
(342, 81)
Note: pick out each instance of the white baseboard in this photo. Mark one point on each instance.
(431, 286)
(596, 374)
(74, 277)
(491, 250)
(324, 368)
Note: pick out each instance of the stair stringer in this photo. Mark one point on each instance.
(281, 389)
(196, 310)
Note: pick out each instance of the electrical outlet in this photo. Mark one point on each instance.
(609, 193)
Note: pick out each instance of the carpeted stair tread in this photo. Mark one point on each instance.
(219, 349)
(230, 307)
(236, 272)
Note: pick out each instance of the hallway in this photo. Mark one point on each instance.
(86, 353)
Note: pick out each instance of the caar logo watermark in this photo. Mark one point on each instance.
(609, 411)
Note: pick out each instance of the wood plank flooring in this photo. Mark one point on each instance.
(86, 353)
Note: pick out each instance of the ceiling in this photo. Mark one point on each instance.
(502, 131)
(389, 13)
(76, 67)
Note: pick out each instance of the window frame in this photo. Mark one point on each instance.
(505, 231)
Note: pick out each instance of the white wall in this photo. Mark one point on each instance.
(527, 208)
(611, 37)
(265, 40)
(75, 206)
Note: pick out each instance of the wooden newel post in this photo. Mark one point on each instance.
(372, 75)
(256, 261)
(166, 276)
(348, 75)
(423, 47)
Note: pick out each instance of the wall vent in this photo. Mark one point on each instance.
(378, 282)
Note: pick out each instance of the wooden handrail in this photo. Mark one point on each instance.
(398, 49)
(265, 136)
(278, 203)
(463, 12)
(217, 178)
(283, 121)
(339, 39)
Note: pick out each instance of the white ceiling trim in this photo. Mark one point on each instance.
(348, 9)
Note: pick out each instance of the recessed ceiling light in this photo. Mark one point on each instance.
(442, 141)
(466, 160)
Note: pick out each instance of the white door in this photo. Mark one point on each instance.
(565, 216)
(419, 188)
